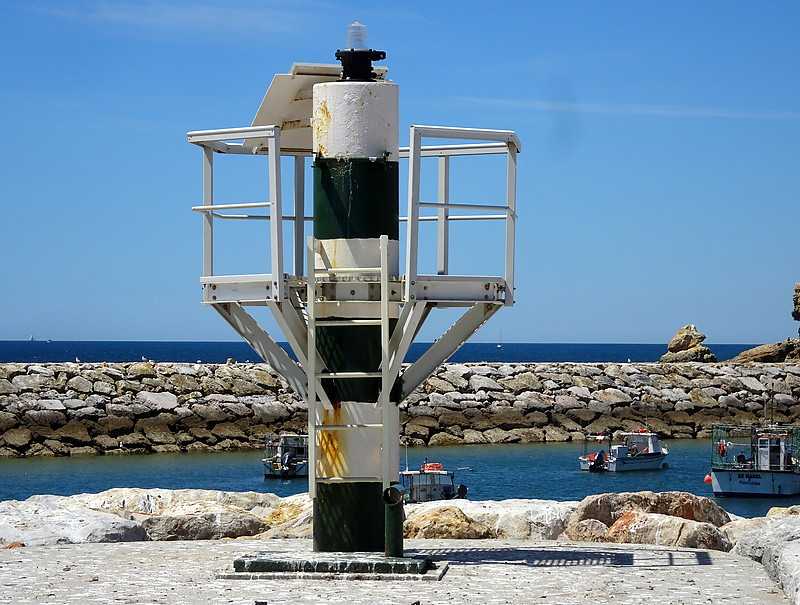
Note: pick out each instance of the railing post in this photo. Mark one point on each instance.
(208, 218)
(443, 224)
(511, 221)
(311, 368)
(276, 214)
(412, 225)
(299, 213)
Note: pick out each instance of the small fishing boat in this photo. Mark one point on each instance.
(752, 460)
(430, 482)
(286, 456)
(639, 450)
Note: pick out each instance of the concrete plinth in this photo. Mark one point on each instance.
(340, 565)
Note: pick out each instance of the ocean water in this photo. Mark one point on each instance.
(45, 351)
(548, 471)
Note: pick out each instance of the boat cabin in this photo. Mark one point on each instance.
(430, 482)
(286, 455)
(752, 460)
(636, 443)
(757, 448)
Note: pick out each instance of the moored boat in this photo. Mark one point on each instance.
(430, 482)
(752, 460)
(286, 456)
(639, 450)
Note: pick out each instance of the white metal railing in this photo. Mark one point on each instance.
(220, 141)
(499, 141)
(265, 140)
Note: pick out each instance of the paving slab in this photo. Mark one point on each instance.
(485, 572)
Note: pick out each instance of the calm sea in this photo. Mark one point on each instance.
(45, 351)
(549, 471)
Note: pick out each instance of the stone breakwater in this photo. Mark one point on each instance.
(120, 408)
(504, 403)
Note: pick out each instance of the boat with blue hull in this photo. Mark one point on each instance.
(755, 461)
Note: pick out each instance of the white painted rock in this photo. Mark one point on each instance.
(734, 530)
(448, 522)
(777, 547)
(42, 520)
(291, 518)
(513, 519)
(187, 514)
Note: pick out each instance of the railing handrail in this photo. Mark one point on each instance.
(491, 142)
(498, 141)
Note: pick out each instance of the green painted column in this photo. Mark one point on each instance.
(356, 201)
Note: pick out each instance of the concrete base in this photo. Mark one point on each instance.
(337, 565)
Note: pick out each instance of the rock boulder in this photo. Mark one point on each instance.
(776, 545)
(779, 352)
(686, 338)
(43, 520)
(446, 522)
(608, 508)
(638, 527)
(686, 346)
(796, 302)
(515, 519)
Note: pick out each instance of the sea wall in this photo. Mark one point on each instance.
(120, 408)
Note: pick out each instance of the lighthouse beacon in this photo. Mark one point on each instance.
(355, 296)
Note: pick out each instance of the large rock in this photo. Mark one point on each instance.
(187, 514)
(291, 518)
(686, 346)
(796, 302)
(589, 530)
(42, 520)
(776, 546)
(788, 349)
(734, 530)
(201, 521)
(156, 501)
(157, 402)
(699, 354)
(608, 508)
(446, 522)
(637, 527)
(512, 519)
(686, 338)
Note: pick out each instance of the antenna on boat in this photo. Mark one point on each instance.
(406, 456)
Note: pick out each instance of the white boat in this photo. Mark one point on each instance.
(430, 482)
(640, 450)
(286, 456)
(752, 460)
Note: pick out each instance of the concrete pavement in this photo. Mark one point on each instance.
(485, 572)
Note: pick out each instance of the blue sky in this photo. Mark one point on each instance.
(658, 184)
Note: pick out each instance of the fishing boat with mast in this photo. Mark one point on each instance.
(753, 460)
